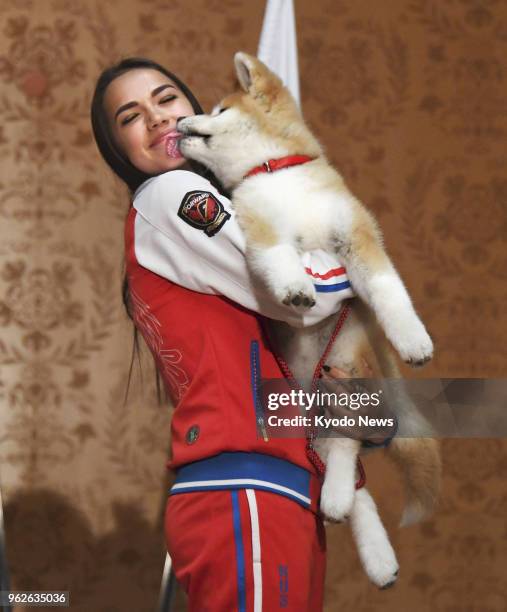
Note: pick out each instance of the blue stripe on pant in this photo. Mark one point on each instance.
(240, 552)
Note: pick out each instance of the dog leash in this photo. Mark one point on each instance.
(311, 453)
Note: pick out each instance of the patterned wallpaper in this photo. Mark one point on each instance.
(409, 99)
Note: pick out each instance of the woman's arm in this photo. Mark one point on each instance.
(186, 231)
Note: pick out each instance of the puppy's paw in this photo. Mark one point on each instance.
(381, 565)
(299, 294)
(336, 501)
(411, 340)
(420, 350)
(375, 550)
(391, 583)
(300, 298)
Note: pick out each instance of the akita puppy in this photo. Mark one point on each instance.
(306, 207)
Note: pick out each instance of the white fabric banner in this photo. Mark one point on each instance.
(278, 43)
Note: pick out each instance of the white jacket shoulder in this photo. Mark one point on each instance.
(163, 194)
(186, 231)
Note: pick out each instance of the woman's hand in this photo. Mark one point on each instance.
(382, 423)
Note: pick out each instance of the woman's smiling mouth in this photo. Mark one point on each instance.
(171, 145)
(170, 134)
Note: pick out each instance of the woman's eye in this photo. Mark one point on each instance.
(129, 119)
(167, 99)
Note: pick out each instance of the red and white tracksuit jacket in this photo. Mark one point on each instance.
(238, 524)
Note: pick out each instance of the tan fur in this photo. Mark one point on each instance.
(366, 241)
(420, 464)
(258, 230)
(361, 338)
(418, 459)
(289, 126)
(268, 88)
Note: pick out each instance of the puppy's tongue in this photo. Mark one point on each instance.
(171, 147)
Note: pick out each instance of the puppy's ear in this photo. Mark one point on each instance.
(243, 64)
(256, 78)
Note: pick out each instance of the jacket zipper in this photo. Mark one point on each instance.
(255, 370)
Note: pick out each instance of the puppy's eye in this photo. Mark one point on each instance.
(222, 110)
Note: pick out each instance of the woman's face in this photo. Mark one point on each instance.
(143, 106)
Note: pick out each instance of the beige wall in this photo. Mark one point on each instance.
(409, 100)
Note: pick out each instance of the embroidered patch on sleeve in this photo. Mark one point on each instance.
(202, 210)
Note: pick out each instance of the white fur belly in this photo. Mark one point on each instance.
(300, 212)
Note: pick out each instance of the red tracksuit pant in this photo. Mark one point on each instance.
(246, 550)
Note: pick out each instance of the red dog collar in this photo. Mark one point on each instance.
(278, 164)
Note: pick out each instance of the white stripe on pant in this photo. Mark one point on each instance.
(256, 550)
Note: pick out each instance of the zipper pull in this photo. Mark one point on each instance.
(262, 425)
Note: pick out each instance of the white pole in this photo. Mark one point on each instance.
(167, 587)
(278, 43)
(4, 570)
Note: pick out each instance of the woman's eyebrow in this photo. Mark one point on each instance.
(155, 92)
(160, 88)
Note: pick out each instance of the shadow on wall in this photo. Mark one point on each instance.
(50, 546)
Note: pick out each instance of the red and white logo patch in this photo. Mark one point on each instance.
(202, 210)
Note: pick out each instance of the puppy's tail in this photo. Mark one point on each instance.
(420, 464)
(414, 449)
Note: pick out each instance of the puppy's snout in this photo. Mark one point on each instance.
(180, 124)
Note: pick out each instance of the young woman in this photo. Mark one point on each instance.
(242, 523)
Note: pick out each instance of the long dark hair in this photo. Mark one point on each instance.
(112, 155)
(120, 164)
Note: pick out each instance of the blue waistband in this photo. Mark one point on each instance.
(240, 470)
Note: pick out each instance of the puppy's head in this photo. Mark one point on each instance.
(262, 85)
(257, 123)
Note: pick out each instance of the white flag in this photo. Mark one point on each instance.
(278, 44)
